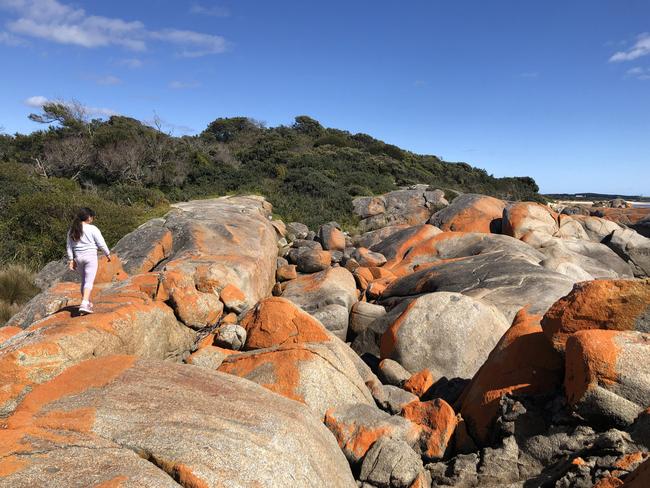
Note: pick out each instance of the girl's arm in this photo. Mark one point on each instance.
(101, 243)
(68, 247)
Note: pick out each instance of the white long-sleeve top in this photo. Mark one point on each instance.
(91, 240)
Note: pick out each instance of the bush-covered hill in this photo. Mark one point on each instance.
(128, 171)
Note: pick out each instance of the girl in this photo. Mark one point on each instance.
(83, 241)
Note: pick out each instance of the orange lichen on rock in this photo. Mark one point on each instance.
(281, 365)
(116, 482)
(8, 332)
(110, 271)
(276, 321)
(599, 304)
(160, 250)
(522, 362)
(608, 482)
(184, 474)
(388, 340)
(590, 358)
(29, 422)
(366, 275)
(419, 383)
(523, 217)
(286, 273)
(355, 438)
(482, 215)
(437, 421)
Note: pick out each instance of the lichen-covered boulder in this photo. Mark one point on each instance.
(198, 427)
(471, 213)
(608, 375)
(633, 248)
(599, 304)
(523, 217)
(277, 321)
(321, 375)
(357, 427)
(126, 321)
(328, 296)
(448, 333)
(523, 362)
(510, 283)
(453, 245)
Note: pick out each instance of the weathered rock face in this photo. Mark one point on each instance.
(448, 333)
(509, 283)
(471, 213)
(328, 296)
(523, 362)
(126, 321)
(400, 243)
(320, 375)
(523, 217)
(277, 321)
(357, 427)
(369, 239)
(453, 245)
(101, 406)
(601, 304)
(573, 257)
(411, 206)
(219, 242)
(608, 375)
(632, 247)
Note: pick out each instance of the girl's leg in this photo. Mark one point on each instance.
(90, 271)
(80, 269)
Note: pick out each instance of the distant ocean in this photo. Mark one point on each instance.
(641, 204)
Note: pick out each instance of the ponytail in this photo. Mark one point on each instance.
(76, 229)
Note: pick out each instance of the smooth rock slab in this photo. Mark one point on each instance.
(507, 282)
(201, 428)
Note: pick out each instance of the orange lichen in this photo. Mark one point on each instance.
(389, 339)
(483, 215)
(284, 364)
(230, 293)
(521, 362)
(31, 420)
(352, 437)
(277, 321)
(590, 358)
(419, 383)
(597, 304)
(437, 420)
(8, 332)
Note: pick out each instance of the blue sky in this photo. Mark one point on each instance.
(555, 89)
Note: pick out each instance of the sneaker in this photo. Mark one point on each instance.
(86, 309)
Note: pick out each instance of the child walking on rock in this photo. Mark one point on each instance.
(83, 241)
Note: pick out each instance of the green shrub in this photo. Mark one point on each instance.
(7, 310)
(16, 284)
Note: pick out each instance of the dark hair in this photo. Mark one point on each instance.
(76, 229)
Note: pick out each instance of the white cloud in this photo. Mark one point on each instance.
(132, 63)
(56, 22)
(212, 11)
(638, 73)
(38, 101)
(108, 80)
(181, 85)
(640, 48)
(11, 40)
(194, 44)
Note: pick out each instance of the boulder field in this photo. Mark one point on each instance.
(467, 342)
